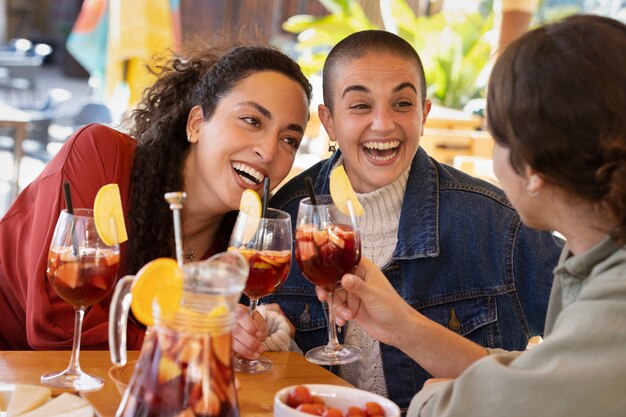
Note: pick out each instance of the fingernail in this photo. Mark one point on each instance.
(349, 280)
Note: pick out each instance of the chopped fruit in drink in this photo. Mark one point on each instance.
(100, 282)
(333, 236)
(168, 370)
(305, 231)
(221, 345)
(220, 310)
(247, 253)
(67, 274)
(112, 259)
(186, 413)
(207, 408)
(307, 250)
(341, 192)
(262, 265)
(190, 351)
(267, 260)
(161, 279)
(107, 206)
(320, 237)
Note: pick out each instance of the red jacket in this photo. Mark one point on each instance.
(32, 315)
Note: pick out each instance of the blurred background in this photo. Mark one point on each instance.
(66, 63)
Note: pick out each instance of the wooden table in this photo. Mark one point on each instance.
(446, 118)
(256, 392)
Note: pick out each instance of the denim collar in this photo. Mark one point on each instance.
(418, 234)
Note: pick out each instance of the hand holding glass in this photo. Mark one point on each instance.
(328, 246)
(83, 270)
(266, 244)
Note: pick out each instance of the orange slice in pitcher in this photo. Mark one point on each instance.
(341, 191)
(160, 279)
(107, 205)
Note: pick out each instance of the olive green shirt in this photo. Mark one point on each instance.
(578, 371)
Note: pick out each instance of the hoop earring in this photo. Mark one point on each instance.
(532, 193)
(332, 145)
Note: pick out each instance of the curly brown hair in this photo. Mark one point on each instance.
(556, 100)
(200, 77)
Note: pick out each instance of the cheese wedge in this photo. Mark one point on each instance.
(65, 405)
(27, 397)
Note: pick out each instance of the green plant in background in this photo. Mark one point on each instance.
(453, 48)
(318, 34)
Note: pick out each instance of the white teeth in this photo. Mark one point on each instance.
(239, 166)
(383, 158)
(381, 146)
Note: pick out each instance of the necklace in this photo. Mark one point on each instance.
(190, 255)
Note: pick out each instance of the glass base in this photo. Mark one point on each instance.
(79, 380)
(247, 366)
(324, 355)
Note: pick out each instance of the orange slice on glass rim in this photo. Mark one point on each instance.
(341, 191)
(160, 280)
(107, 206)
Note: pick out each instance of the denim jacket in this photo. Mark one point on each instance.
(463, 259)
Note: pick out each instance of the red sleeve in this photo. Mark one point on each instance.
(33, 315)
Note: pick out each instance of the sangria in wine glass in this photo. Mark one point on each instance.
(328, 246)
(83, 270)
(266, 244)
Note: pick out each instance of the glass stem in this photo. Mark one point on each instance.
(333, 342)
(74, 366)
(253, 303)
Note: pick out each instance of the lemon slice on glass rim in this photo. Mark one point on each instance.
(341, 192)
(106, 206)
(251, 205)
(160, 280)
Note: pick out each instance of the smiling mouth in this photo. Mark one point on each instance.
(381, 151)
(248, 174)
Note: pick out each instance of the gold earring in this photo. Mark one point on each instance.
(332, 145)
(189, 138)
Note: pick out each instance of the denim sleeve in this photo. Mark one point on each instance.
(535, 256)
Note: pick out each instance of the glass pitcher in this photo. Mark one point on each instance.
(185, 364)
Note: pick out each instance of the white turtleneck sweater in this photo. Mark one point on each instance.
(379, 235)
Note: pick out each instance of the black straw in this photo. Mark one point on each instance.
(309, 188)
(266, 193)
(70, 210)
(68, 197)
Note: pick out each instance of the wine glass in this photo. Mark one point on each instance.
(83, 270)
(266, 244)
(328, 245)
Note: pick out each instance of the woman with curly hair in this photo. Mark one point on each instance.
(555, 107)
(216, 122)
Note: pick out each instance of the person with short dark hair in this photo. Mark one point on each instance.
(217, 121)
(450, 244)
(555, 107)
